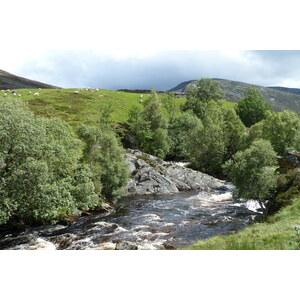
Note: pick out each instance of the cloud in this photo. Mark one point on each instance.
(162, 70)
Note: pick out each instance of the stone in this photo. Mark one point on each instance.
(126, 246)
(169, 246)
(151, 175)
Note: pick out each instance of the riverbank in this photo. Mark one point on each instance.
(279, 232)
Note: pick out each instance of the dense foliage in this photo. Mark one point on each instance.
(282, 129)
(253, 171)
(45, 176)
(149, 127)
(41, 179)
(252, 108)
(199, 95)
(218, 140)
(105, 156)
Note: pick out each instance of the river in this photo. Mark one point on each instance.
(149, 222)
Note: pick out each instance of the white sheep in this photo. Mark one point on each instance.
(19, 95)
(5, 95)
(141, 101)
(36, 94)
(97, 90)
(141, 96)
(29, 92)
(76, 92)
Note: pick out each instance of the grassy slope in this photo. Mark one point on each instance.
(278, 233)
(83, 108)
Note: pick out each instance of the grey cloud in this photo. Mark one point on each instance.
(161, 71)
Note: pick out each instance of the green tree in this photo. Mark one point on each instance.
(39, 162)
(252, 171)
(181, 129)
(149, 127)
(252, 108)
(199, 95)
(218, 140)
(282, 129)
(105, 157)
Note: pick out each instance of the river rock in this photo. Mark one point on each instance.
(126, 246)
(151, 175)
(290, 161)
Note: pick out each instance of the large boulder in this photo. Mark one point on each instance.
(151, 175)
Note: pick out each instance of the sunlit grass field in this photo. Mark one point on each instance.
(83, 108)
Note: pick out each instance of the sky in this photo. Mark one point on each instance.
(149, 44)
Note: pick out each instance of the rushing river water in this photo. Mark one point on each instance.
(152, 222)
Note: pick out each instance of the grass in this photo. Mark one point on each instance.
(80, 108)
(83, 108)
(279, 232)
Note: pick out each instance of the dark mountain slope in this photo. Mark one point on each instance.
(10, 81)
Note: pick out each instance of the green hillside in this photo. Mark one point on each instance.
(82, 108)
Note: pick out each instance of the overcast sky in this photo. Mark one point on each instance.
(148, 44)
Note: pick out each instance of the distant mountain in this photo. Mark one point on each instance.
(10, 81)
(280, 98)
(285, 89)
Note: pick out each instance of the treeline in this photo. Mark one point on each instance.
(240, 144)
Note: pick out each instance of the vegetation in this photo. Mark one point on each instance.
(41, 177)
(218, 140)
(149, 127)
(198, 96)
(252, 108)
(45, 175)
(252, 171)
(282, 129)
(104, 156)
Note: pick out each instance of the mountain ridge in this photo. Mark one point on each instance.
(280, 98)
(11, 81)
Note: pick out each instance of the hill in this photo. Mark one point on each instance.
(280, 98)
(81, 108)
(10, 81)
(285, 89)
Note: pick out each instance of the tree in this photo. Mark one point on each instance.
(105, 156)
(282, 129)
(198, 96)
(41, 178)
(252, 108)
(182, 128)
(218, 140)
(252, 171)
(149, 127)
